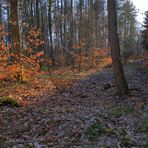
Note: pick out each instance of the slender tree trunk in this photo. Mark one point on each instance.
(8, 39)
(37, 14)
(31, 15)
(65, 42)
(120, 80)
(80, 33)
(71, 25)
(50, 33)
(1, 38)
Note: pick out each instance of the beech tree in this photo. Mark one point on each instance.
(120, 79)
(65, 26)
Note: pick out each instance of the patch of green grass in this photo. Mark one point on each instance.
(143, 126)
(9, 101)
(105, 146)
(95, 130)
(57, 76)
(44, 68)
(117, 111)
(62, 76)
(145, 122)
(44, 76)
(120, 110)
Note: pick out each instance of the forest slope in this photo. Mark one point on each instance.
(87, 114)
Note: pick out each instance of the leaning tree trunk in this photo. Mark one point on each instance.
(120, 79)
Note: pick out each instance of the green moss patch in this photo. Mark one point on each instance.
(145, 122)
(120, 110)
(9, 101)
(95, 130)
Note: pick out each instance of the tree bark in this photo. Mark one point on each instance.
(120, 79)
(50, 32)
(14, 22)
(0, 12)
(37, 14)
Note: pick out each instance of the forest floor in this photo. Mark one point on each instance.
(86, 114)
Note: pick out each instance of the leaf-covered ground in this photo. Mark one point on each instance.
(87, 114)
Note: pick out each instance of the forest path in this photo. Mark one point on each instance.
(87, 114)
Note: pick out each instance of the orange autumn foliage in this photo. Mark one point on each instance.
(28, 60)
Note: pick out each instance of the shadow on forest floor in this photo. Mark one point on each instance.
(89, 113)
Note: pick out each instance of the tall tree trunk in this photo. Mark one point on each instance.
(80, 33)
(1, 38)
(50, 32)
(71, 25)
(8, 38)
(15, 32)
(31, 15)
(37, 14)
(0, 12)
(120, 80)
(15, 37)
(65, 34)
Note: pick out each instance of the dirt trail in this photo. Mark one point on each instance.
(69, 119)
